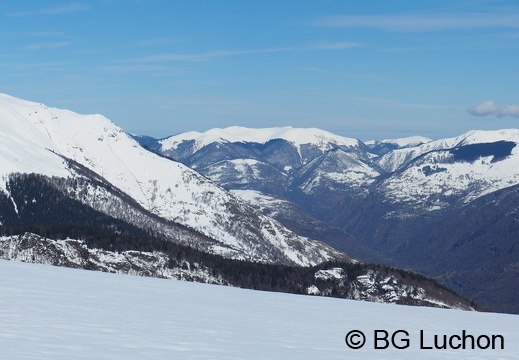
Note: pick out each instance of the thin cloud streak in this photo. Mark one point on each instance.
(150, 70)
(398, 104)
(156, 42)
(206, 56)
(119, 69)
(422, 23)
(71, 8)
(49, 34)
(42, 46)
(66, 9)
(350, 75)
(324, 46)
(331, 46)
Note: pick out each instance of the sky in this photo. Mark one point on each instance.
(364, 69)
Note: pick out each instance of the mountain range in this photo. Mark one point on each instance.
(446, 208)
(78, 191)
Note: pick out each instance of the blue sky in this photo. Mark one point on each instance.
(365, 69)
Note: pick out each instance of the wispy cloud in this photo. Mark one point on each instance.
(325, 45)
(321, 46)
(424, 22)
(130, 68)
(65, 9)
(49, 34)
(207, 55)
(335, 73)
(49, 45)
(397, 104)
(39, 65)
(70, 8)
(21, 69)
(156, 41)
(489, 107)
(148, 69)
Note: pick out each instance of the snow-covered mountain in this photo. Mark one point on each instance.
(300, 138)
(392, 199)
(90, 159)
(322, 165)
(468, 166)
(277, 161)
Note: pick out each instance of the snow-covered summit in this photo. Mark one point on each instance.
(399, 157)
(296, 136)
(24, 147)
(469, 166)
(407, 141)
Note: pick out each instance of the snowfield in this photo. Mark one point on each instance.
(58, 313)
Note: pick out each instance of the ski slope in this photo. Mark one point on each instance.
(58, 313)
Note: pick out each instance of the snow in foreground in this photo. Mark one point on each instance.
(58, 313)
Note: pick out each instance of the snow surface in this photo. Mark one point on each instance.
(57, 313)
(297, 136)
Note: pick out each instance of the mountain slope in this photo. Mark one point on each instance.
(60, 144)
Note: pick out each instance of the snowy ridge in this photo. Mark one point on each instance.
(296, 136)
(407, 141)
(166, 188)
(470, 180)
(400, 157)
(429, 174)
(24, 147)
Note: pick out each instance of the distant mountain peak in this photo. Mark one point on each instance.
(237, 134)
(408, 141)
